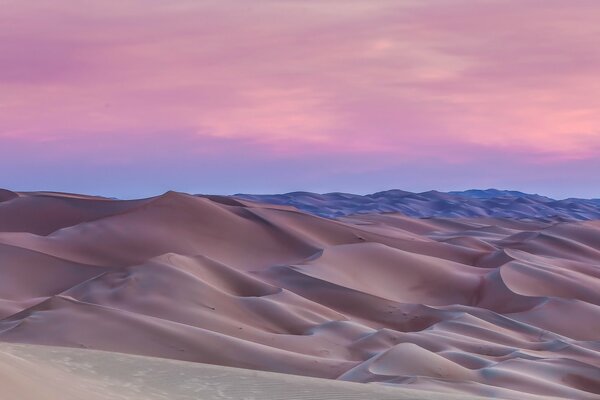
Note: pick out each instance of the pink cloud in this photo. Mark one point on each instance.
(384, 81)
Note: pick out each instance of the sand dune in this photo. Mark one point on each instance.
(72, 374)
(468, 203)
(472, 306)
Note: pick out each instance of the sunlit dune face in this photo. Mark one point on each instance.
(380, 80)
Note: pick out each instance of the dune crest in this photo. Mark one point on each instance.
(473, 306)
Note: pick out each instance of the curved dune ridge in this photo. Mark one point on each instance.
(471, 306)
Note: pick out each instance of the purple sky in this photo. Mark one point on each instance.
(131, 98)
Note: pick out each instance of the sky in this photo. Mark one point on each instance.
(130, 98)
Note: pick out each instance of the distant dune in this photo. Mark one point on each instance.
(469, 203)
(485, 306)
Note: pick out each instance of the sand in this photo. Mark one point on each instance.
(472, 306)
(32, 372)
(470, 203)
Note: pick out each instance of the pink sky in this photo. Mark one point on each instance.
(133, 97)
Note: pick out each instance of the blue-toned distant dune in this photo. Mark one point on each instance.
(469, 203)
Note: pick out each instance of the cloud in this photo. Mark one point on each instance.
(384, 82)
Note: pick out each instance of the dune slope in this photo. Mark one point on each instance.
(73, 374)
(472, 306)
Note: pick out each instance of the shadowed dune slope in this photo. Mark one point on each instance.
(472, 306)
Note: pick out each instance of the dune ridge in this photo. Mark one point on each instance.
(480, 306)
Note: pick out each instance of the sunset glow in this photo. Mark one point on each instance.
(131, 98)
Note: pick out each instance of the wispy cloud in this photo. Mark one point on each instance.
(386, 82)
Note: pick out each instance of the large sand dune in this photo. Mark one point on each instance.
(29, 372)
(478, 306)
